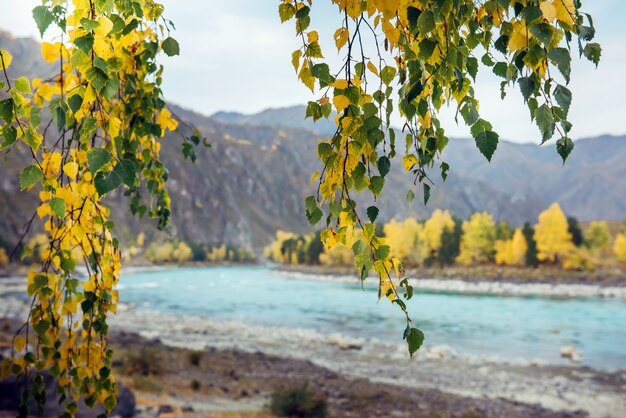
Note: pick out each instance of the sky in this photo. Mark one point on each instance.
(236, 56)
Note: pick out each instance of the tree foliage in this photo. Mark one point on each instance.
(94, 128)
(477, 243)
(552, 235)
(416, 57)
(91, 128)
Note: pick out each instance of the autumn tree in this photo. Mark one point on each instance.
(619, 247)
(407, 240)
(439, 221)
(477, 242)
(512, 251)
(108, 114)
(552, 235)
(597, 236)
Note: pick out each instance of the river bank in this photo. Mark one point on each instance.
(437, 381)
(505, 281)
(169, 381)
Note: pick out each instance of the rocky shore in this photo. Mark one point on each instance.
(483, 286)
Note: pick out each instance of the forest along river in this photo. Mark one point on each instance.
(510, 328)
(476, 345)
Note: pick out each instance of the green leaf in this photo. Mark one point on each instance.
(313, 110)
(97, 77)
(543, 31)
(84, 43)
(75, 102)
(89, 25)
(22, 85)
(170, 46)
(410, 196)
(286, 11)
(29, 176)
(592, 52)
(97, 158)
(472, 67)
(426, 193)
(545, 122)
(6, 110)
(486, 139)
(43, 18)
(527, 85)
(563, 97)
(384, 165)
(530, 13)
(313, 213)
(426, 22)
(414, 338)
(372, 213)
(41, 327)
(122, 173)
(382, 252)
(562, 59)
(376, 185)
(564, 147)
(303, 12)
(415, 90)
(58, 206)
(387, 74)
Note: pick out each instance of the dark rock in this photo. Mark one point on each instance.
(165, 409)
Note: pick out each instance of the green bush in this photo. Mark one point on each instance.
(298, 402)
(194, 357)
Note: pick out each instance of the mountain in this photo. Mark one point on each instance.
(253, 179)
(285, 117)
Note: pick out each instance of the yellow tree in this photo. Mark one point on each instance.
(512, 252)
(407, 240)
(477, 242)
(619, 248)
(434, 227)
(552, 235)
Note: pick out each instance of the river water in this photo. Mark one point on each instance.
(510, 328)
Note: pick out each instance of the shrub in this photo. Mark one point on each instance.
(195, 357)
(298, 402)
(147, 362)
(195, 385)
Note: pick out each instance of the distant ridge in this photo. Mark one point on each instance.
(254, 178)
(284, 117)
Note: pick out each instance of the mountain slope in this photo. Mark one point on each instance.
(254, 178)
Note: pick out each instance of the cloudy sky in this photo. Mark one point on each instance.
(235, 55)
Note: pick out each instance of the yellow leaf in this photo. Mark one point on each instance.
(372, 67)
(71, 169)
(19, 343)
(340, 84)
(565, 11)
(392, 33)
(89, 286)
(341, 102)
(166, 121)
(548, 10)
(409, 161)
(6, 59)
(341, 37)
(105, 26)
(519, 37)
(314, 178)
(51, 52)
(312, 36)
